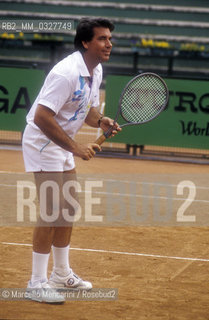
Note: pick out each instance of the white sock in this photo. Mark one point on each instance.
(39, 266)
(61, 260)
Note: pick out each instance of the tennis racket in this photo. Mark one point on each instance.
(142, 100)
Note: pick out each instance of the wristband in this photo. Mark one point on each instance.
(99, 121)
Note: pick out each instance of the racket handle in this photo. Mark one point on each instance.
(101, 139)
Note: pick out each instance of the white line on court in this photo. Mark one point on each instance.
(118, 180)
(13, 172)
(145, 183)
(118, 194)
(118, 252)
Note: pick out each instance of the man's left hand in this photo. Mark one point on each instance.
(107, 123)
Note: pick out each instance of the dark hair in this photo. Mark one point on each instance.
(85, 30)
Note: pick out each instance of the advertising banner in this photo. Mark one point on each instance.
(184, 123)
(18, 90)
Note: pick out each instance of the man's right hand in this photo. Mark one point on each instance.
(86, 151)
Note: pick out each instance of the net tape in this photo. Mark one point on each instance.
(143, 99)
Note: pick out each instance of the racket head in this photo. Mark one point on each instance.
(143, 98)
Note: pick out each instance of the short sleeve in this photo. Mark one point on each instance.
(55, 92)
(96, 94)
(95, 100)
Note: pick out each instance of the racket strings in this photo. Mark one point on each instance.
(143, 99)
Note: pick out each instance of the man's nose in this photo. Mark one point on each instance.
(108, 43)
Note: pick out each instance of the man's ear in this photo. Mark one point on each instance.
(85, 44)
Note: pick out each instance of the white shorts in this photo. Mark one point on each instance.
(41, 154)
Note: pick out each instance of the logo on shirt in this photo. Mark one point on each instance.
(79, 95)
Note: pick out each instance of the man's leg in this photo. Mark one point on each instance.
(49, 185)
(62, 275)
(62, 233)
(44, 232)
(57, 233)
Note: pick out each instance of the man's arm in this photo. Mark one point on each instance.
(44, 119)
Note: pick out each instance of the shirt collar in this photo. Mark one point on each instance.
(83, 68)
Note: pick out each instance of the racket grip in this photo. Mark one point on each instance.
(101, 139)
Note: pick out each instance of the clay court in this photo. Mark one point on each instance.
(160, 272)
(149, 242)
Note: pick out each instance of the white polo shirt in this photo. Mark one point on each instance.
(69, 93)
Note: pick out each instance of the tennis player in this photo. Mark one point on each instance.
(68, 98)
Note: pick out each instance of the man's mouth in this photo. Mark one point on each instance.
(107, 53)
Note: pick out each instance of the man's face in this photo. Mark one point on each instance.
(100, 46)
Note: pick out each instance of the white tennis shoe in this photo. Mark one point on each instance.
(71, 281)
(43, 292)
